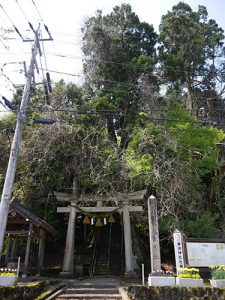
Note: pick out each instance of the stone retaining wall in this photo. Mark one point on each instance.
(21, 292)
(175, 293)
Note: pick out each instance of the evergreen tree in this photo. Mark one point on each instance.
(191, 53)
(118, 49)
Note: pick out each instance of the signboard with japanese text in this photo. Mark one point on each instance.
(178, 248)
(201, 254)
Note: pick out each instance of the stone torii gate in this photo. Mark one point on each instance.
(76, 206)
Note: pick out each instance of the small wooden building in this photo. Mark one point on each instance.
(24, 225)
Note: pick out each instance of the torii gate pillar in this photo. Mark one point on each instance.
(127, 242)
(68, 261)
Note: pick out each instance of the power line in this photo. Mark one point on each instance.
(45, 26)
(127, 64)
(65, 34)
(16, 29)
(66, 42)
(118, 113)
(58, 72)
(29, 23)
(13, 62)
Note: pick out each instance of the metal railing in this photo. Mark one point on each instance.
(109, 246)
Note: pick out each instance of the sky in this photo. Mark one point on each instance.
(62, 57)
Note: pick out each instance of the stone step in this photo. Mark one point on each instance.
(88, 296)
(93, 286)
(93, 290)
(97, 292)
(101, 267)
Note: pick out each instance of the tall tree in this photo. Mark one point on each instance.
(118, 49)
(191, 51)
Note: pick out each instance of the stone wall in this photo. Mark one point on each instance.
(175, 293)
(21, 292)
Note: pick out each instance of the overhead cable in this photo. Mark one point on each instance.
(58, 72)
(221, 72)
(45, 26)
(8, 63)
(29, 23)
(16, 29)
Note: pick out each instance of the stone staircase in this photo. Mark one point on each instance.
(90, 291)
(101, 259)
(108, 256)
(115, 258)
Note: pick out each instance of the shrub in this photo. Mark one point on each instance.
(217, 272)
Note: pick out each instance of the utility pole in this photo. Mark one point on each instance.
(15, 148)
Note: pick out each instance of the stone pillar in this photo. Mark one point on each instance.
(127, 241)
(14, 248)
(8, 250)
(68, 260)
(41, 251)
(27, 254)
(154, 234)
(85, 233)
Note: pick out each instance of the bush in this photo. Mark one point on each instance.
(217, 272)
(203, 227)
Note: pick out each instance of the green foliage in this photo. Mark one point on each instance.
(139, 159)
(117, 47)
(190, 55)
(115, 134)
(202, 227)
(195, 143)
(217, 272)
(190, 42)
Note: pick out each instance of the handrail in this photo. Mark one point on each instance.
(93, 258)
(91, 264)
(95, 251)
(109, 246)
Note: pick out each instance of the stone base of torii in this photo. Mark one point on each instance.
(73, 208)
